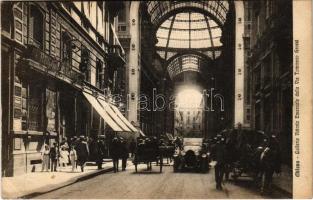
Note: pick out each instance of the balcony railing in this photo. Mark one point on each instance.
(51, 65)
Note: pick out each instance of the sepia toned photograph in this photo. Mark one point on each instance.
(151, 100)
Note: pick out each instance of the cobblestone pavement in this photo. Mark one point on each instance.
(152, 184)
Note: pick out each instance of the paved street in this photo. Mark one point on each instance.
(147, 184)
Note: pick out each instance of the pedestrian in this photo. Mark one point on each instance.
(132, 147)
(220, 162)
(270, 163)
(63, 160)
(73, 157)
(124, 153)
(99, 152)
(115, 153)
(82, 152)
(45, 152)
(64, 143)
(54, 154)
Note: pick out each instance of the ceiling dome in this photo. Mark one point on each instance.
(188, 30)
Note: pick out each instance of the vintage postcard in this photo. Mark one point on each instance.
(156, 99)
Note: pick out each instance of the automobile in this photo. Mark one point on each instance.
(193, 155)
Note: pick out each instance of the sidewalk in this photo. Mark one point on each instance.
(34, 183)
(284, 181)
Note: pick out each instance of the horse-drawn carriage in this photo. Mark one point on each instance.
(250, 153)
(148, 151)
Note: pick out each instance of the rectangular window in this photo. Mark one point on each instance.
(36, 27)
(85, 63)
(122, 28)
(99, 74)
(66, 48)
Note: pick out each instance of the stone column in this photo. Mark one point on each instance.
(134, 63)
(239, 64)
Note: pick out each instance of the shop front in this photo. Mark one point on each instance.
(43, 110)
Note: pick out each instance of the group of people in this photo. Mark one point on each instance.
(263, 158)
(119, 150)
(76, 152)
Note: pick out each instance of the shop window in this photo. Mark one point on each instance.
(36, 27)
(51, 110)
(35, 108)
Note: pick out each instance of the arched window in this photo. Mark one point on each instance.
(36, 27)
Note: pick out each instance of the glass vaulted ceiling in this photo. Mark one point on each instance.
(186, 62)
(189, 30)
(184, 27)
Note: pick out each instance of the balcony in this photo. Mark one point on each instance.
(39, 61)
(116, 55)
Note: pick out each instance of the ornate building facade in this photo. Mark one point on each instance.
(268, 46)
(52, 55)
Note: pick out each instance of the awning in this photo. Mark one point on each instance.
(121, 116)
(102, 112)
(113, 115)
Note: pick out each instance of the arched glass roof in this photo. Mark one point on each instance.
(188, 26)
(186, 62)
(188, 30)
(160, 10)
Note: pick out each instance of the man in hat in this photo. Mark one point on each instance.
(123, 153)
(132, 147)
(115, 145)
(54, 155)
(82, 152)
(220, 151)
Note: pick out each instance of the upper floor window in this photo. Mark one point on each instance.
(99, 74)
(85, 61)
(6, 16)
(36, 27)
(66, 47)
